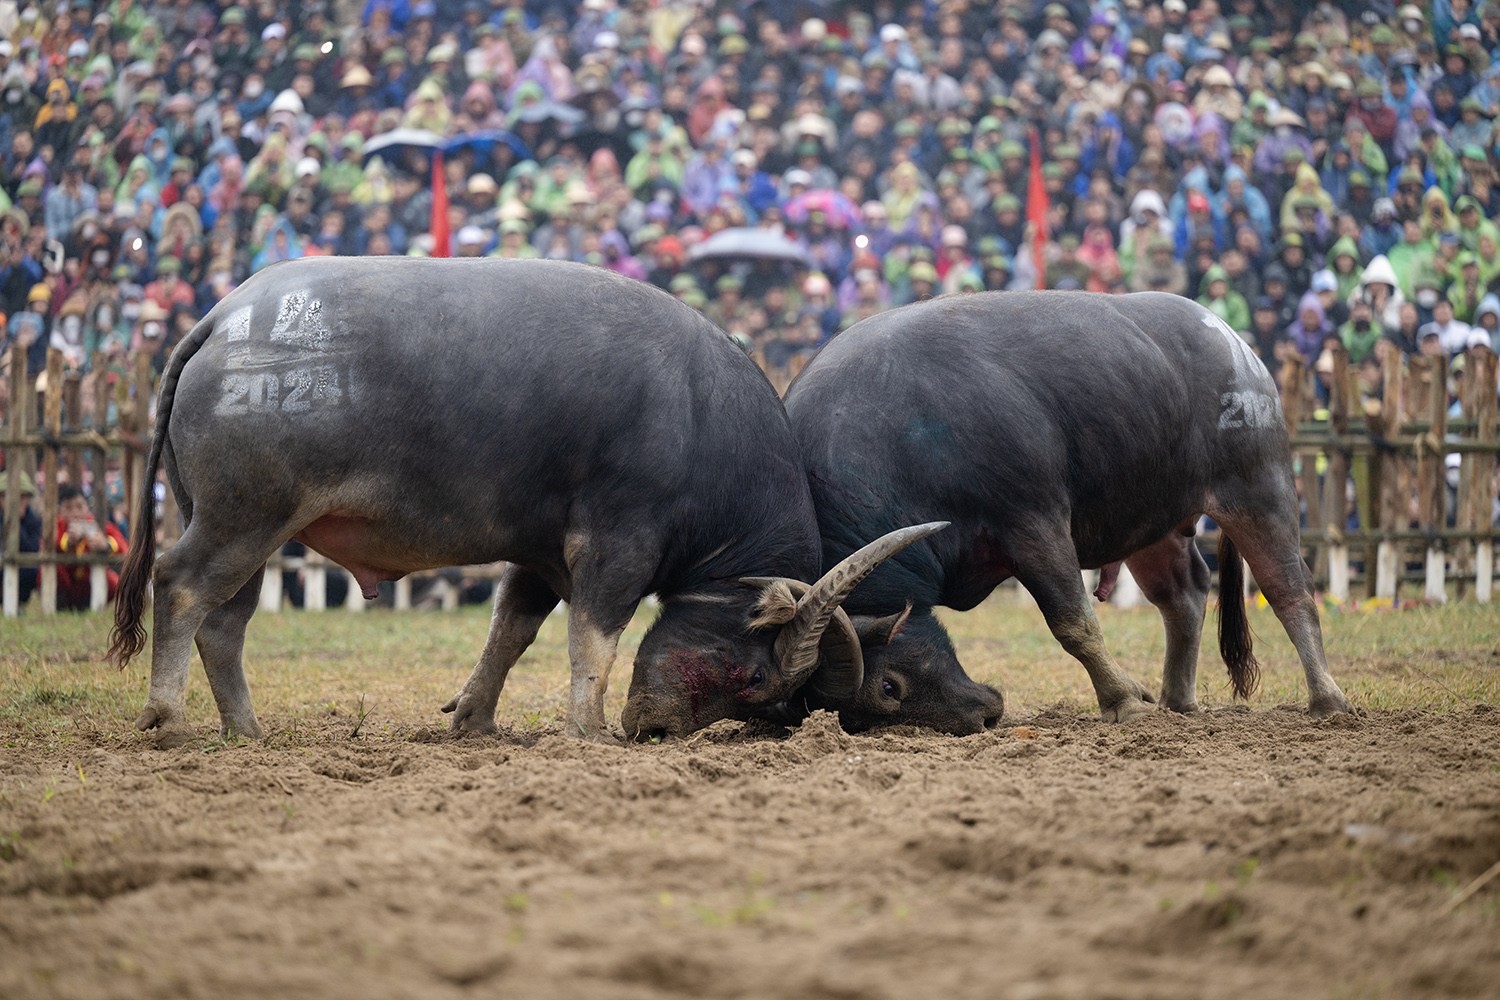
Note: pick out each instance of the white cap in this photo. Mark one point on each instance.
(78, 47)
(814, 30)
(273, 30)
(1478, 337)
(797, 176)
(743, 157)
(1469, 30)
(308, 167)
(1324, 281)
(1178, 5)
(606, 40)
(954, 236)
(6, 49)
(471, 235)
(893, 33)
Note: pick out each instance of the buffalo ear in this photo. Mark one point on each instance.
(881, 631)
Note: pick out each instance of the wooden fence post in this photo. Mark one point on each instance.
(1435, 501)
(1483, 496)
(314, 582)
(20, 409)
(52, 420)
(270, 584)
(1390, 465)
(1336, 482)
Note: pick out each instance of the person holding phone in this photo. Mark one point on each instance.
(79, 534)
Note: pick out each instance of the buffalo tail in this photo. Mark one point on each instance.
(128, 637)
(1236, 642)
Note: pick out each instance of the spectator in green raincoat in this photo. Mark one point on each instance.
(1343, 259)
(1361, 332)
(1217, 297)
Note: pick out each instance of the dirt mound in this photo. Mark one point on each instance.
(1232, 854)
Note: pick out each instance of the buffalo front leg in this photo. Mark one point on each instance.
(592, 642)
(1175, 579)
(221, 644)
(522, 603)
(1049, 569)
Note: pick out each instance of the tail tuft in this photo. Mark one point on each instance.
(1236, 641)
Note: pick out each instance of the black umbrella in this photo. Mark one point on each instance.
(748, 243)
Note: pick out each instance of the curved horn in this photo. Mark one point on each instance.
(797, 645)
(843, 660)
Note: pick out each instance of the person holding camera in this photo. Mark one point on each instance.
(79, 534)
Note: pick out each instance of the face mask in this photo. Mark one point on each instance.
(130, 310)
(202, 64)
(152, 330)
(1427, 298)
(72, 326)
(105, 318)
(13, 97)
(101, 257)
(254, 90)
(1411, 27)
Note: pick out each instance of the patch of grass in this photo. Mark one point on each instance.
(10, 845)
(306, 669)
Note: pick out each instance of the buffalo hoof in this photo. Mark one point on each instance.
(171, 728)
(1130, 708)
(468, 717)
(593, 732)
(244, 729)
(1322, 708)
(1185, 708)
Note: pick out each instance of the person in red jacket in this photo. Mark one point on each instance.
(1379, 117)
(79, 534)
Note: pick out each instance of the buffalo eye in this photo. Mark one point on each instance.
(889, 689)
(756, 679)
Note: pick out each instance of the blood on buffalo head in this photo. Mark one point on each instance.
(707, 659)
(912, 677)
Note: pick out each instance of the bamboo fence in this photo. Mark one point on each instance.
(1379, 451)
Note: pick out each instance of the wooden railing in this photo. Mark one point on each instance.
(1389, 442)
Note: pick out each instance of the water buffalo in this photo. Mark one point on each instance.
(1055, 431)
(399, 414)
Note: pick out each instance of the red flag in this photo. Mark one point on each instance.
(439, 224)
(1037, 207)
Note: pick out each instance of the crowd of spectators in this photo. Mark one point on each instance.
(1316, 174)
(1306, 171)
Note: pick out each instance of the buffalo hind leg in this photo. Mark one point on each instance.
(1175, 579)
(192, 580)
(1269, 545)
(522, 603)
(221, 644)
(1048, 568)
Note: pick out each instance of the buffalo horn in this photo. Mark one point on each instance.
(797, 645)
(843, 661)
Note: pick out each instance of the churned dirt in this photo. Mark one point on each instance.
(1239, 853)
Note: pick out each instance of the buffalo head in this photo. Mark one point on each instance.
(718, 657)
(912, 677)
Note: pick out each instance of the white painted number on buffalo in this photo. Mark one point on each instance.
(1250, 401)
(1245, 408)
(300, 321)
(296, 391)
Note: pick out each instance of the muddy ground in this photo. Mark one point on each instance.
(1240, 853)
